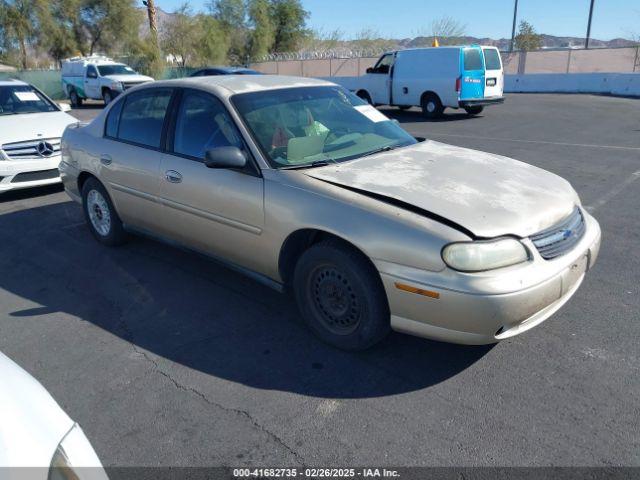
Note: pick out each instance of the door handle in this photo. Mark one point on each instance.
(106, 159)
(172, 176)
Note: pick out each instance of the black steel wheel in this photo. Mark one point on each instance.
(340, 295)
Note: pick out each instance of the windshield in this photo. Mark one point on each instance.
(18, 99)
(116, 70)
(298, 127)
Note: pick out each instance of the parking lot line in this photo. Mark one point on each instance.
(613, 192)
(543, 142)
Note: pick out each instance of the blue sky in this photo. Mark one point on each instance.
(484, 18)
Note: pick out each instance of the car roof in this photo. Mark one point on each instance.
(231, 84)
(12, 82)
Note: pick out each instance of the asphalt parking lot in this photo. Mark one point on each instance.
(167, 359)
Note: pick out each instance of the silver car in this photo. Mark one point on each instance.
(302, 185)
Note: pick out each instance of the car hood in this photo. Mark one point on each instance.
(488, 195)
(129, 78)
(32, 126)
(31, 422)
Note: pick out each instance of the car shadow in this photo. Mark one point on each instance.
(415, 116)
(25, 193)
(173, 304)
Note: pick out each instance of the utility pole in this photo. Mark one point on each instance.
(586, 42)
(513, 28)
(151, 13)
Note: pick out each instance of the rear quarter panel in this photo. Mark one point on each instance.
(428, 70)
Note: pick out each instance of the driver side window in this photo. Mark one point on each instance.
(92, 72)
(384, 64)
(203, 123)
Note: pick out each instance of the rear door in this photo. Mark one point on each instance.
(494, 76)
(472, 77)
(130, 155)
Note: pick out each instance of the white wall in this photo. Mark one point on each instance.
(627, 84)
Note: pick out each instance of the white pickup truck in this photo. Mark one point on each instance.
(468, 77)
(97, 78)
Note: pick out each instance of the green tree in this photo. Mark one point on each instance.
(59, 26)
(19, 26)
(527, 38)
(109, 23)
(232, 17)
(263, 31)
(212, 46)
(289, 20)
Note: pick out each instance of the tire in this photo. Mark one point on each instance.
(341, 297)
(474, 110)
(107, 96)
(100, 215)
(431, 106)
(76, 101)
(365, 96)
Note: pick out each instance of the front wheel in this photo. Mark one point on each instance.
(341, 296)
(474, 110)
(101, 217)
(107, 96)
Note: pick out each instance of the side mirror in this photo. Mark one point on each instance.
(65, 107)
(370, 70)
(225, 157)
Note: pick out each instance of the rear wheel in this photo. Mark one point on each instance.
(341, 296)
(75, 99)
(102, 218)
(431, 106)
(474, 110)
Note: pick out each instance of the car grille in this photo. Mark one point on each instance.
(561, 238)
(128, 85)
(33, 176)
(29, 150)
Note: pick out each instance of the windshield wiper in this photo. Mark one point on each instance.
(317, 163)
(386, 148)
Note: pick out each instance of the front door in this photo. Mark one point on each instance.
(92, 83)
(378, 80)
(217, 211)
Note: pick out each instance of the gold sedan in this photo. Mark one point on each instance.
(305, 187)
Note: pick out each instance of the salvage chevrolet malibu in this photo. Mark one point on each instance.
(309, 189)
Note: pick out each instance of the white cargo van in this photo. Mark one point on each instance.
(97, 77)
(468, 77)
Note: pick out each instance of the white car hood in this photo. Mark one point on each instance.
(129, 78)
(33, 126)
(489, 195)
(31, 422)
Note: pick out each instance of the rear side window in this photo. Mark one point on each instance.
(202, 124)
(143, 117)
(472, 59)
(111, 128)
(492, 59)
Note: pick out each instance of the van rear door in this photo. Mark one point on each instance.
(494, 76)
(472, 75)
